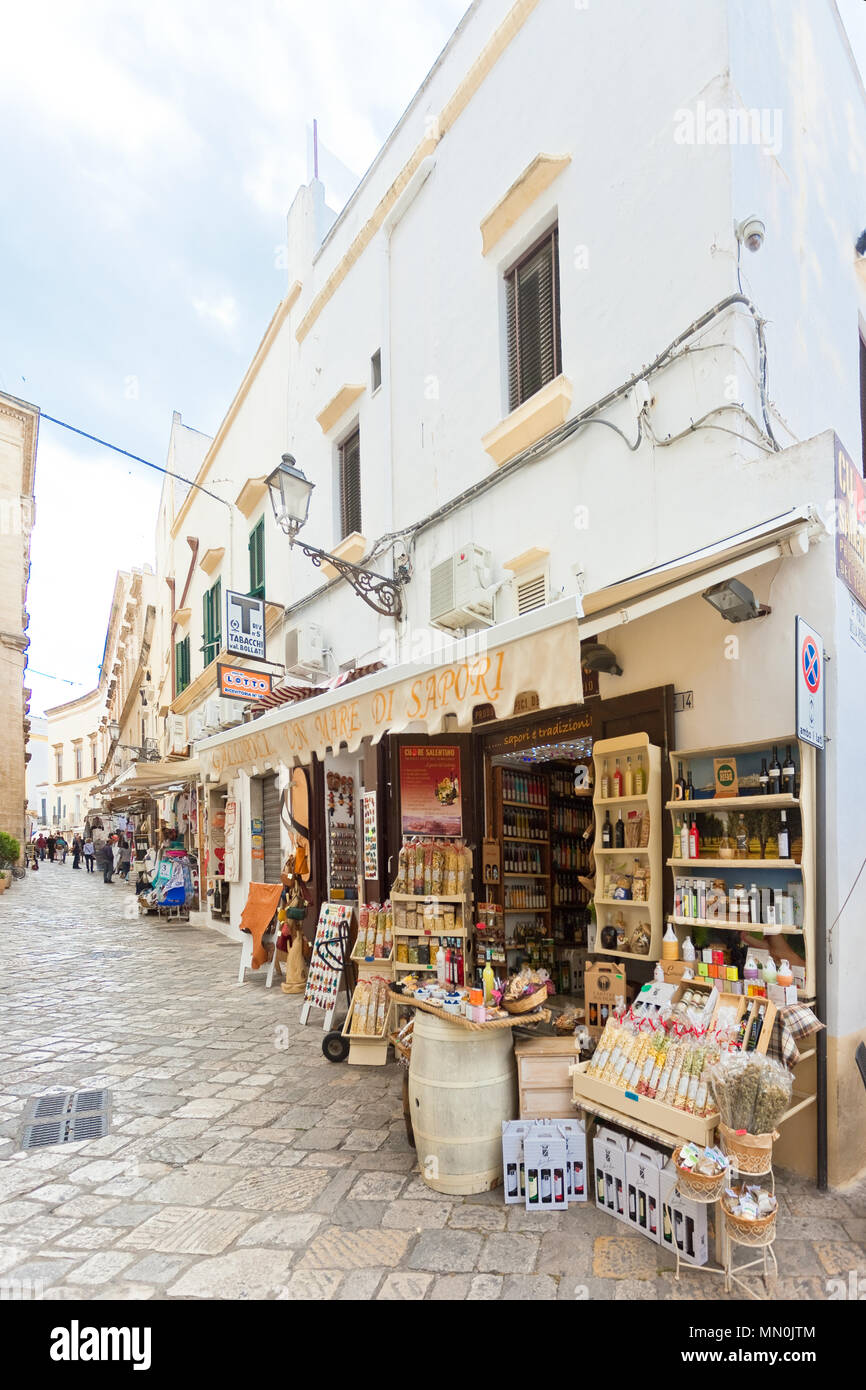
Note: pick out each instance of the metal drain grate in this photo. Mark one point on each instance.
(65, 1117)
(70, 1131)
(61, 1103)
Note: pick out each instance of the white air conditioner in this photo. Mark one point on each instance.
(196, 726)
(177, 733)
(305, 650)
(461, 593)
(231, 713)
(212, 717)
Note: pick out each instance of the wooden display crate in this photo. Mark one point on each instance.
(667, 1123)
(543, 1077)
(367, 1049)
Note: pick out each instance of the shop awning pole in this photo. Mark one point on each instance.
(821, 962)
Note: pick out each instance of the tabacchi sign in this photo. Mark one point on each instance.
(850, 525)
(245, 625)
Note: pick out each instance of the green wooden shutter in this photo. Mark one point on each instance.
(257, 560)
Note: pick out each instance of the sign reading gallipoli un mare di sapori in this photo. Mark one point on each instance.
(245, 625)
(547, 661)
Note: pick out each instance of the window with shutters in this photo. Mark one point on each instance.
(58, 767)
(212, 623)
(79, 762)
(181, 666)
(257, 560)
(531, 592)
(350, 485)
(532, 309)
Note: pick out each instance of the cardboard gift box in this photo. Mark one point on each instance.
(609, 1153)
(544, 1152)
(643, 1165)
(683, 1222)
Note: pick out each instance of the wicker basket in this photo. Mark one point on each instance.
(761, 1231)
(529, 1002)
(699, 1186)
(750, 1153)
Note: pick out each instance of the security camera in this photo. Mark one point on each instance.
(751, 232)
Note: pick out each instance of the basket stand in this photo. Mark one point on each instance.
(692, 1195)
(766, 1258)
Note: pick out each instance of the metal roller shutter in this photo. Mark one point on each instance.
(271, 829)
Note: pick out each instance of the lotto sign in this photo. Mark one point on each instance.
(809, 653)
(236, 684)
(245, 625)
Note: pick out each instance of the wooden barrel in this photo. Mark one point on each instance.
(462, 1085)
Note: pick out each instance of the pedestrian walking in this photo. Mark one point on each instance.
(124, 861)
(51, 845)
(105, 857)
(40, 846)
(89, 852)
(76, 851)
(61, 847)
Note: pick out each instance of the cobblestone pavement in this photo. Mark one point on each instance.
(241, 1164)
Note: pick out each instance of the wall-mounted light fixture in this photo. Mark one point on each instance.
(735, 602)
(290, 493)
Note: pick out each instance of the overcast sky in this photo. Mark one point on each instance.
(151, 151)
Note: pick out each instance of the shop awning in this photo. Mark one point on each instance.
(157, 776)
(790, 534)
(539, 651)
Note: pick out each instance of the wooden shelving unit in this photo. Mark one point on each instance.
(605, 754)
(461, 903)
(763, 871)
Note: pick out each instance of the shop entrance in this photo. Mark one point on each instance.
(536, 880)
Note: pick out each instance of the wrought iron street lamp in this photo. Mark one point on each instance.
(290, 498)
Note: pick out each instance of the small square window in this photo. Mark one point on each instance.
(376, 369)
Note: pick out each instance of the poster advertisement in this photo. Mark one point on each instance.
(231, 870)
(430, 801)
(371, 847)
(850, 525)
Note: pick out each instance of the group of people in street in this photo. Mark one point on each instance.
(112, 855)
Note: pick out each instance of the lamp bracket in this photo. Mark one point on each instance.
(381, 594)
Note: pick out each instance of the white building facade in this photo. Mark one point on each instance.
(659, 393)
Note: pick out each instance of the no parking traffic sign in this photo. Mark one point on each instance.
(809, 659)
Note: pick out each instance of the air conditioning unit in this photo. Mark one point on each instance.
(196, 726)
(177, 733)
(460, 590)
(305, 651)
(231, 713)
(212, 717)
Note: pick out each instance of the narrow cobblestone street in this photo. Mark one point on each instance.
(239, 1167)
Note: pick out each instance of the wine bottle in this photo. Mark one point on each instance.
(690, 789)
(788, 773)
(756, 1029)
(784, 839)
(607, 832)
(680, 785)
(605, 783)
(617, 780)
(775, 774)
(764, 778)
(619, 832)
(694, 840)
(629, 778)
(639, 778)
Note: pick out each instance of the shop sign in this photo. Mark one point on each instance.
(494, 676)
(526, 702)
(245, 625)
(850, 525)
(530, 734)
(857, 622)
(257, 838)
(235, 684)
(371, 844)
(809, 656)
(430, 802)
(482, 714)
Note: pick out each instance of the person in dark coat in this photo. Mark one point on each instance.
(51, 845)
(76, 852)
(105, 860)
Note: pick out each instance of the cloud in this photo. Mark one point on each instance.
(222, 309)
